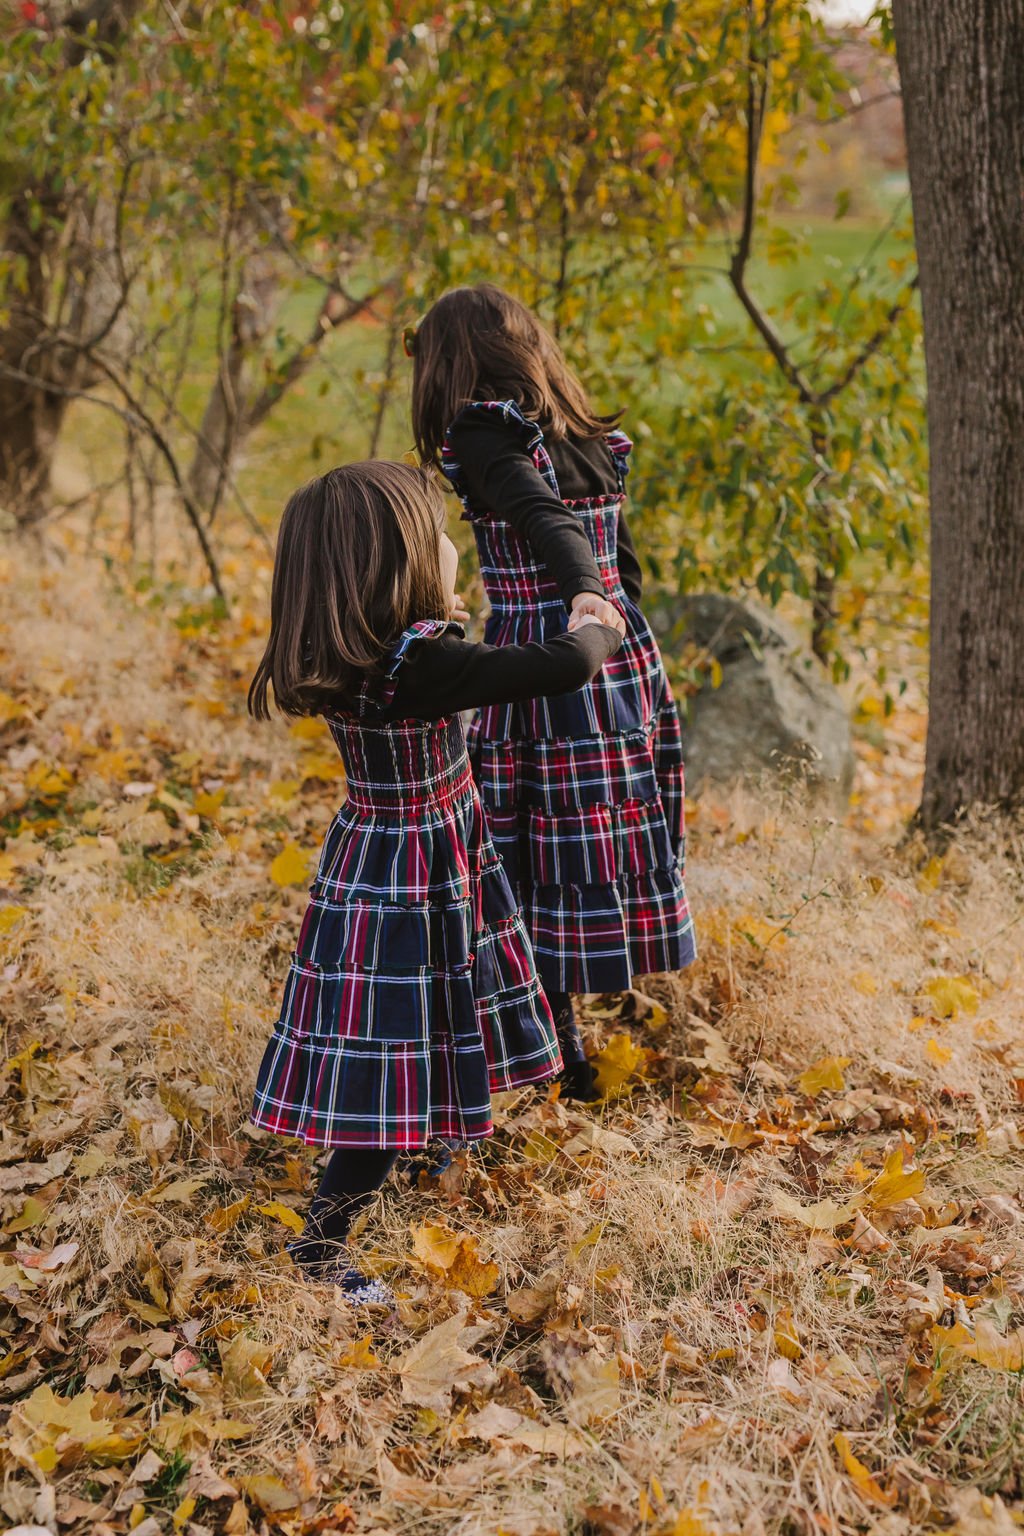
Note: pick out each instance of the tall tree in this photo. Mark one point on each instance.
(962, 69)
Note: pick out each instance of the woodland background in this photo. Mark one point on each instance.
(774, 1283)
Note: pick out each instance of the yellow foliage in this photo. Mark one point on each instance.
(951, 996)
(824, 1074)
(291, 867)
(617, 1064)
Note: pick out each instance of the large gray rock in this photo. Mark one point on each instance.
(774, 712)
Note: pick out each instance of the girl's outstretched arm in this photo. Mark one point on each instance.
(449, 674)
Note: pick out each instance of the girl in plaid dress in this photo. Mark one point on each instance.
(412, 993)
(583, 794)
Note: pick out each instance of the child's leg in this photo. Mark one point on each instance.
(577, 1077)
(351, 1178)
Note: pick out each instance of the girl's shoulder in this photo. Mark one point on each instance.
(378, 690)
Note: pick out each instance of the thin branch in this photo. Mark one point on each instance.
(870, 347)
(135, 415)
(334, 311)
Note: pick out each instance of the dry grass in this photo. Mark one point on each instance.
(663, 1343)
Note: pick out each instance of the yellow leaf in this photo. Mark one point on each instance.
(999, 1354)
(454, 1257)
(540, 1148)
(207, 804)
(616, 1064)
(10, 917)
(283, 791)
(183, 1514)
(690, 1523)
(226, 1216)
(716, 672)
(826, 1073)
(470, 1274)
(291, 867)
(270, 1493)
(825, 1216)
(434, 1245)
(592, 1238)
(939, 1054)
(784, 1330)
(309, 728)
(282, 1213)
(951, 996)
(948, 930)
(894, 1184)
(595, 1388)
(10, 709)
(33, 1213)
(90, 1162)
(47, 780)
(862, 1477)
(180, 1190)
(359, 1356)
(930, 875)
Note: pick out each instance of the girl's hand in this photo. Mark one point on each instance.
(459, 612)
(587, 605)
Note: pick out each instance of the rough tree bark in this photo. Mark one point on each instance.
(66, 251)
(961, 65)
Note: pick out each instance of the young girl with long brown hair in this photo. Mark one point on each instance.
(583, 793)
(412, 993)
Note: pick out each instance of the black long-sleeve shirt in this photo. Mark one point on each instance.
(448, 674)
(500, 476)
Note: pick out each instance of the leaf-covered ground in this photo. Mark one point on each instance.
(773, 1283)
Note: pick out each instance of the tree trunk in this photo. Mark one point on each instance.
(961, 66)
(61, 245)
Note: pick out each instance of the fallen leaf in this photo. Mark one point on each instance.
(441, 1362)
(283, 1214)
(894, 1183)
(824, 1074)
(359, 1356)
(271, 1494)
(455, 1259)
(595, 1383)
(951, 996)
(291, 867)
(825, 1216)
(616, 1065)
(864, 1481)
(529, 1303)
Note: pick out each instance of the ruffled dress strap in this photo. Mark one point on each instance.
(529, 433)
(377, 693)
(620, 447)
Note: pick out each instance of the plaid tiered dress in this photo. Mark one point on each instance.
(584, 792)
(412, 993)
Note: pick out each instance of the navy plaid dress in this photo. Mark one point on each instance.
(412, 994)
(583, 792)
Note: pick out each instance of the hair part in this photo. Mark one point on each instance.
(357, 562)
(480, 343)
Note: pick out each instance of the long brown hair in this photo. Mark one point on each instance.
(357, 562)
(480, 343)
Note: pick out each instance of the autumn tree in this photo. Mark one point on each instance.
(962, 70)
(161, 201)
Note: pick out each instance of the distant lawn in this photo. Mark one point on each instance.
(328, 417)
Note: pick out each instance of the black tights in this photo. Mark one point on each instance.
(350, 1180)
(577, 1077)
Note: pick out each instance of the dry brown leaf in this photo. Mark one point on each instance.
(441, 1362)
